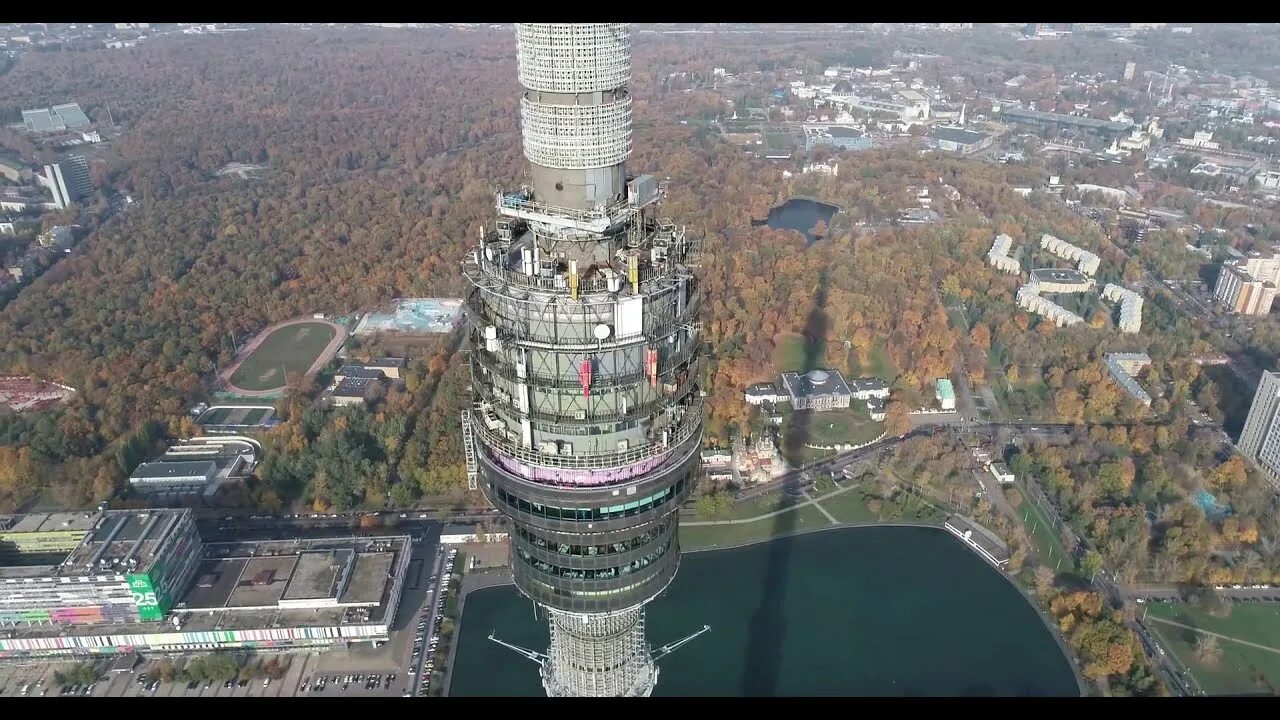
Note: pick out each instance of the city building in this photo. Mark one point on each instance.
(944, 394)
(1260, 437)
(67, 180)
(1248, 285)
(1029, 300)
(716, 457)
(1001, 473)
(1129, 69)
(362, 372)
(68, 116)
(585, 426)
(1124, 369)
(1130, 306)
(817, 390)
(1086, 262)
(91, 568)
(839, 137)
(998, 255)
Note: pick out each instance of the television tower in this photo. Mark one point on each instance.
(586, 419)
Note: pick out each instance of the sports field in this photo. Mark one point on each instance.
(293, 348)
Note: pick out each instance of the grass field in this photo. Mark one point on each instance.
(791, 353)
(707, 536)
(1240, 668)
(851, 506)
(1049, 547)
(256, 416)
(290, 349)
(832, 427)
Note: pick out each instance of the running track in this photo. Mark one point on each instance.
(339, 336)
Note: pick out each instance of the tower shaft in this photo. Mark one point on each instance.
(586, 414)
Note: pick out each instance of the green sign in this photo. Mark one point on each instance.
(144, 597)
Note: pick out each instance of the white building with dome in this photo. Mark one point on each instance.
(817, 390)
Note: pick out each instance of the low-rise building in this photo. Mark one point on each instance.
(461, 534)
(1130, 306)
(183, 477)
(1001, 473)
(1057, 280)
(391, 367)
(716, 457)
(876, 409)
(353, 390)
(761, 393)
(985, 542)
(866, 388)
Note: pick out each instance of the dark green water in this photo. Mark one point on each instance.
(800, 214)
(866, 611)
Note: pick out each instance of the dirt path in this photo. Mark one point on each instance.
(339, 336)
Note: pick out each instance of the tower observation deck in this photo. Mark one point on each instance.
(584, 348)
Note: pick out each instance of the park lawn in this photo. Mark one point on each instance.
(791, 353)
(804, 517)
(757, 507)
(292, 348)
(1045, 540)
(1240, 668)
(1257, 622)
(851, 506)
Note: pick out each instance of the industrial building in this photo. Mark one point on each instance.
(1248, 285)
(1130, 306)
(1260, 437)
(998, 255)
(586, 418)
(817, 390)
(1086, 262)
(184, 476)
(1124, 369)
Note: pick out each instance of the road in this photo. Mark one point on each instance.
(1175, 593)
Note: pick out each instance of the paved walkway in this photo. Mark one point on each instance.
(742, 521)
(821, 509)
(1202, 631)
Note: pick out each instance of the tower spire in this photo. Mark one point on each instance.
(586, 420)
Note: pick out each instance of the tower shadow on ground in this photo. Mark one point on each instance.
(767, 628)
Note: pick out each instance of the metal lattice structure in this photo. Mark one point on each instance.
(586, 420)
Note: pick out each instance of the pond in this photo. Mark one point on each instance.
(872, 611)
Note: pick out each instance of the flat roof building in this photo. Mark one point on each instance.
(1124, 368)
(67, 116)
(959, 140)
(985, 542)
(1056, 280)
(174, 473)
(352, 390)
(1260, 437)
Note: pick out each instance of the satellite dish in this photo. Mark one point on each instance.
(602, 331)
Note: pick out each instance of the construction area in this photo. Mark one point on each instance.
(413, 316)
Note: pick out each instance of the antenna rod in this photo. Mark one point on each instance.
(669, 648)
(528, 654)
